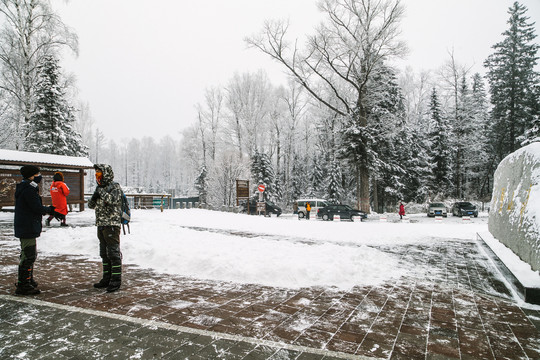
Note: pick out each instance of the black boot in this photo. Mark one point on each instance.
(24, 286)
(116, 278)
(105, 280)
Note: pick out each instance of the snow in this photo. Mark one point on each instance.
(39, 158)
(280, 251)
(521, 270)
(283, 251)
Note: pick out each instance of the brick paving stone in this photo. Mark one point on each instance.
(457, 308)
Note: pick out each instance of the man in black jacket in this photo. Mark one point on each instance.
(28, 212)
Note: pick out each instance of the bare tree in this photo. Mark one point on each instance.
(339, 60)
(31, 31)
(247, 102)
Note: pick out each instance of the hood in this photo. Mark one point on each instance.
(108, 174)
(22, 186)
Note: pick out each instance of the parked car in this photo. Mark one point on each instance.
(271, 208)
(344, 211)
(464, 208)
(316, 204)
(436, 209)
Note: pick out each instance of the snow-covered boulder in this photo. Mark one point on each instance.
(514, 215)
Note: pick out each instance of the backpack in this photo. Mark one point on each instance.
(125, 213)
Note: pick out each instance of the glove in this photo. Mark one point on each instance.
(57, 215)
(50, 210)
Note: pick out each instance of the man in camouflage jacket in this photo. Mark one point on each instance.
(107, 200)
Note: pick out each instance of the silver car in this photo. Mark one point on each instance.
(437, 209)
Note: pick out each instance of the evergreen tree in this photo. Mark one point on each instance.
(297, 178)
(462, 138)
(318, 177)
(386, 116)
(263, 173)
(333, 190)
(439, 152)
(201, 184)
(512, 81)
(481, 159)
(416, 162)
(51, 129)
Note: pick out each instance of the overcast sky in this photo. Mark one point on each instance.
(144, 65)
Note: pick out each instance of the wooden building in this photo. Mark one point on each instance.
(72, 167)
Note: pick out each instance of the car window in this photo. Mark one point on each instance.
(301, 203)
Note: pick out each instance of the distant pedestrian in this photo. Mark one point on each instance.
(59, 192)
(107, 200)
(308, 209)
(401, 210)
(295, 208)
(29, 210)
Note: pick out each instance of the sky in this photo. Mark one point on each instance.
(143, 66)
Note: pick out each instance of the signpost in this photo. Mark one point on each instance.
(261, 205)
(242, 191)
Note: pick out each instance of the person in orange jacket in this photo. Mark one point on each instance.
(59, 192)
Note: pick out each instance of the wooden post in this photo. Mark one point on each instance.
(81, 180)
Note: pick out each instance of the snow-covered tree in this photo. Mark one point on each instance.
(262, 172)
(201, 184)
(513, 82)
(439, 153)
(339, 61)
(333, 190)
(31, 31)
(51, 128)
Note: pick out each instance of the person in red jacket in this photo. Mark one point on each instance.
(59, 192)
(401, 210)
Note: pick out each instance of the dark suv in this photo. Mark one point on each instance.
(464, 208)
(344, 212)
(271, 208)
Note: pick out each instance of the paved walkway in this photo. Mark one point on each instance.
(454, 306)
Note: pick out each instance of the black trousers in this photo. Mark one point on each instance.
(109, 247)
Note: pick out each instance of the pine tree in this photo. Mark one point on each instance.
(201, 184)
(386, 117)
(334, 183)
(512, 81)
(51, 129)
(462, 138)
(297, 178)
(263, 173)
(439, 153)
(481, 159)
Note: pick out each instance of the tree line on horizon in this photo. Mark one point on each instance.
(347, 126)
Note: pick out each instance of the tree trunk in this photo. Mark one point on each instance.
(364, 188)
(375, 196)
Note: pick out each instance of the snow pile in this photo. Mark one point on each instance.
(282, 251)
(515, 205)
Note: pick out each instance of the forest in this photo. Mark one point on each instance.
(349, 126)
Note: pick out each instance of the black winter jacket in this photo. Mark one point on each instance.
(28, 210)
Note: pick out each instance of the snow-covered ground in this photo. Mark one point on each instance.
(273, 251)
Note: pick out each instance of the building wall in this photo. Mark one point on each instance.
(514, 215)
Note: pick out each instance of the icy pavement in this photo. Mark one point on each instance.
(451, 304)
